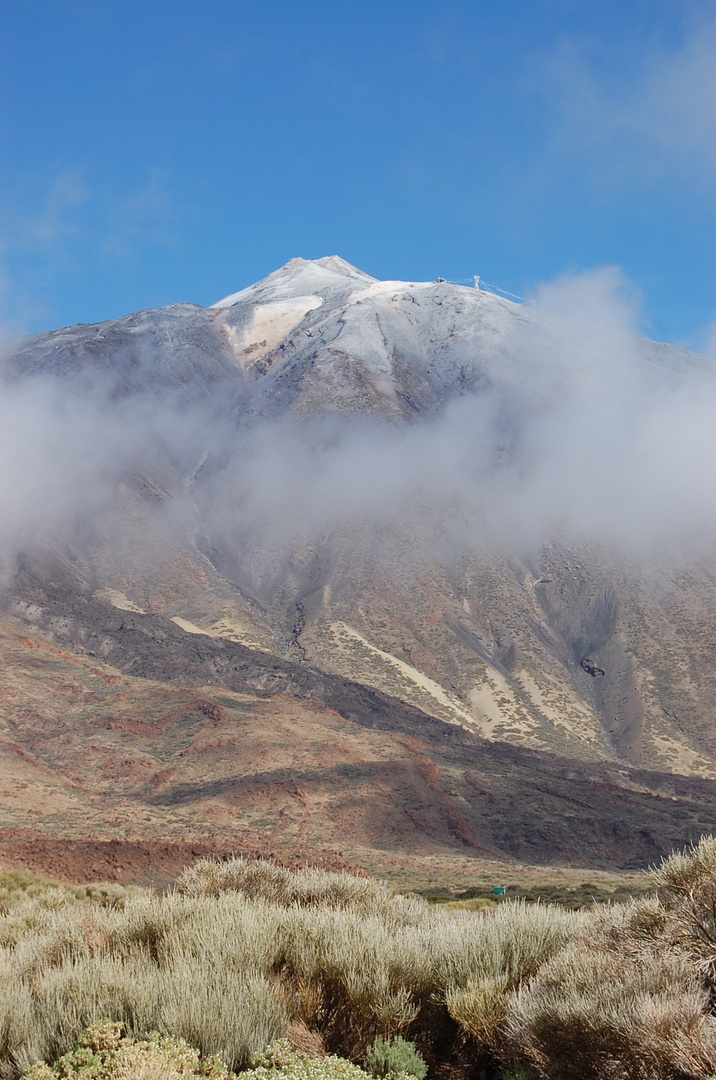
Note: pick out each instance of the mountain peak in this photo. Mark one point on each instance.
(299, 277)
(337, 265)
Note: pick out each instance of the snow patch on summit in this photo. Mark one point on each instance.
(268, 326)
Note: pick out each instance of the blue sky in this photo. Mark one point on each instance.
(152, 152)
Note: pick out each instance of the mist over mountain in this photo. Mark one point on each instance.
(324, 396)
(500, 513)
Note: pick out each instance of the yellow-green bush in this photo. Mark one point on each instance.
(280, 1062)
(102, 1054)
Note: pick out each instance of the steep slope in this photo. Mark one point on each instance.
(128, 775)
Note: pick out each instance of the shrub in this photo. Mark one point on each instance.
(17, 885)
(394, 1058)
(228, 972)
(100, 1054)
(632, 995)
(483, 967)
(158, 964)
(309, 887)
(618, 1002)
(280, 1062)
(480, 1008)
(686, 884)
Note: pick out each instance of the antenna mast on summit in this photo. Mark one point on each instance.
(477, 281)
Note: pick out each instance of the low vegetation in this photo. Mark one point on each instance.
(217, 974)
(394, 1058)
(576, 898)
(102, 1054)
(21, 884)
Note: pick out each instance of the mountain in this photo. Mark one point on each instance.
(461, 545)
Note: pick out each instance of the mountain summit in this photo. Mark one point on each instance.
(327, 277)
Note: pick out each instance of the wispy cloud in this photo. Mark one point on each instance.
(147, 217)
(57, 217)
(40, 229)
(74, 223)
(654, 116)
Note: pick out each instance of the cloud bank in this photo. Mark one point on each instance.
(580, 429)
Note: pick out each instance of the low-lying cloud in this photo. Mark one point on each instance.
(580, 429)
(585, 430)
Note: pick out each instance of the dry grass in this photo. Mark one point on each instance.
(243, 953)
(241, 950)
(631, 996)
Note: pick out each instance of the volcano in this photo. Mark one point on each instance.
(345, 563)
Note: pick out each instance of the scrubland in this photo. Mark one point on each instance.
(215, 974)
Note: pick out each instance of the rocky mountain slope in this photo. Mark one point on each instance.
(408, 504)
(132, 775)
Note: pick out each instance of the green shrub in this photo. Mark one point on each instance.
(395, 1058)
(280, 1062)
(101, 1054)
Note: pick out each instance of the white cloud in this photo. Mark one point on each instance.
(655, 116)
(579, 430)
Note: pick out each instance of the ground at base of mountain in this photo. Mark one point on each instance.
(31, 860)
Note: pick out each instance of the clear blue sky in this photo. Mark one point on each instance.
(152, 151)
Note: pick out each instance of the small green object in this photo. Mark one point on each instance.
(386, 1059)
(499, 890)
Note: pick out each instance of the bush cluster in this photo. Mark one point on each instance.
(102, 1054)
(281, 1062)
(396, 1058)
(241, 949)
(632, 995)
(243, 953)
